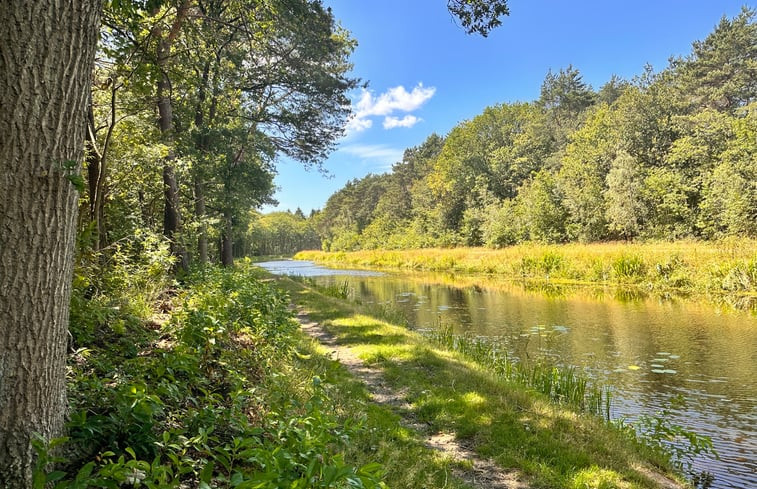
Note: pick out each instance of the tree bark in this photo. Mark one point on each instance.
(46, 59)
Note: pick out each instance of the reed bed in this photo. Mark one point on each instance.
(724, 271)
(561, 384)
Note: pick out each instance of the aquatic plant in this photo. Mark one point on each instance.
(564, 385)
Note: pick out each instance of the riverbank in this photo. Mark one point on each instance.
(222, 389)
(518, 429)
(722, 272)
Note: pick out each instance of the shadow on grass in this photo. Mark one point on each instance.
(517, 427)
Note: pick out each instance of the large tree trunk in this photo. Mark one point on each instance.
(46, 59)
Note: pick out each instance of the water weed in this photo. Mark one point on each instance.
(560, 384)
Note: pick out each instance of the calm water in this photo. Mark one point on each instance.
(649, 351)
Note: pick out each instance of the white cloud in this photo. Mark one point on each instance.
(407, 121)
(355, 124)
(396, 99)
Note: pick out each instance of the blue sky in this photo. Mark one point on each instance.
(426, 75)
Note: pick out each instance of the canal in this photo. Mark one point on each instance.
(695, 361)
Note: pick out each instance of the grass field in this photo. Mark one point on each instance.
(723, 271)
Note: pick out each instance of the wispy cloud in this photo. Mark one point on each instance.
(358, 125)
(396, 99)
(384, 155)
(407, 121)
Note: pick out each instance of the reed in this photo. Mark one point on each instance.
(563, 385)
(724, 271)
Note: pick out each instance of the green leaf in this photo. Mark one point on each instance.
(236, 479)
(207, 472)
(39, 480)
(85, 471)
(55, 476)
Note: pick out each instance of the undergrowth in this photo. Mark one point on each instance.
(209, 398)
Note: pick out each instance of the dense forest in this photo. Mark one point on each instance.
(667, 155)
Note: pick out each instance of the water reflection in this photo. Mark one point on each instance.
(308, 269)
(650, 349)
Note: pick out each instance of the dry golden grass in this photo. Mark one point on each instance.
(717, 269)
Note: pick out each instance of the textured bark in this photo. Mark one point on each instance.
(46, 58)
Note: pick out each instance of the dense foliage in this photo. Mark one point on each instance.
(199, 398)
(280, 233)
(667, 155)
(234, 85)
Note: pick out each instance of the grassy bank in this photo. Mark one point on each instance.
(499, 417)
(722, 271)
(223, 390)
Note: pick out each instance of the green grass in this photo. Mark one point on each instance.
(519, 428)
(562, 385)
(722, 272)
(227, 392)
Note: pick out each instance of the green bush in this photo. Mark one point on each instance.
(200, 403)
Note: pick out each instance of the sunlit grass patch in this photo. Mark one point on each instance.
(597, 478)
(554, 445)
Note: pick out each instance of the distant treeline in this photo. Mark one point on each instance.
(278, 233)
(666, 155)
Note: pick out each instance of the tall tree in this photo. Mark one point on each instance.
(165, 31)
(583, 172)
(625, 206)
(46, 60)
(274, 76)
(721, 71)
(564, 95)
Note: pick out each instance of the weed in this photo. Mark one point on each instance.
(562, 385)
(628, 268)
(202, 402)
(723, 272)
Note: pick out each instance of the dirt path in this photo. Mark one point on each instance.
(484, 473)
